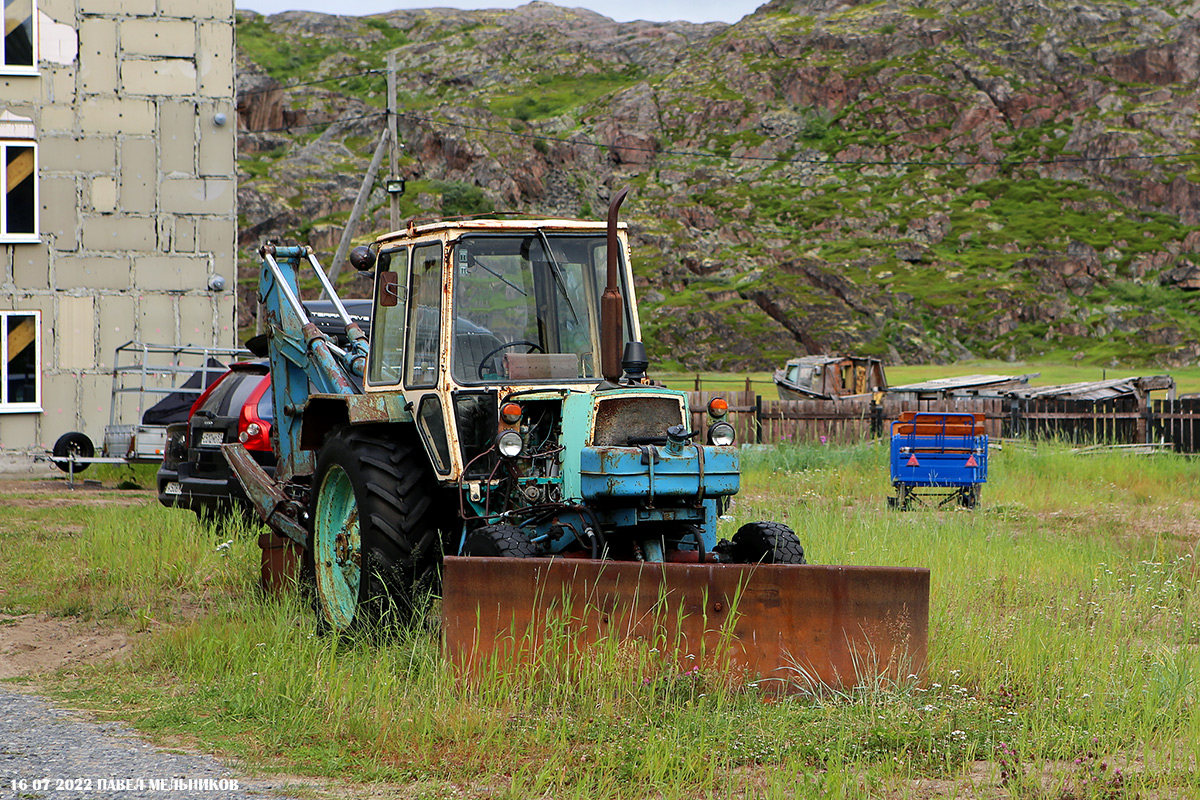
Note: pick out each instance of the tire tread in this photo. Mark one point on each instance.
(767, 543)
(397, 503)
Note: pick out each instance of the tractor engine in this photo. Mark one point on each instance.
(613, 471)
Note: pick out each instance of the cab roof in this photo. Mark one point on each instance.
(418, 227)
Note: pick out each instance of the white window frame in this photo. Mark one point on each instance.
(27, 407)
(23, 69)
(21, 237)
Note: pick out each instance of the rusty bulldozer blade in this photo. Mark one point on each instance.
(792, 628)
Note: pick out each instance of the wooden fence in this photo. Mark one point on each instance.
(1116, 421)
(1178, 422)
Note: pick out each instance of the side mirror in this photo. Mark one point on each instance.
(389, 294)
(362, 258)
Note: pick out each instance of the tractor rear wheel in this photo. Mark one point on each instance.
(500, 540)
(374, 549)
(767, 543)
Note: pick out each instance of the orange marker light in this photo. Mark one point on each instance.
(510, 413)
(718, 407)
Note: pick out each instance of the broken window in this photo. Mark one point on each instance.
(20, 38)
(18, 188)
(20, 361)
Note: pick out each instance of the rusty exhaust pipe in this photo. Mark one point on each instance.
(612, 305)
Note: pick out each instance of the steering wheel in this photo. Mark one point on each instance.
(531, 345)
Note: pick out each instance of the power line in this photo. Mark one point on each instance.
(313, 82)
(724, 157)
(798, 160)
(317, 124)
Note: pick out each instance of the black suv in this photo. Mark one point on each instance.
(323, 314)
(236, 408)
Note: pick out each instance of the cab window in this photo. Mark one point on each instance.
(424, 315)
(386, 360)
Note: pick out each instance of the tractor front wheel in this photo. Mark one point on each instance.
(374, 546)
(767, 543)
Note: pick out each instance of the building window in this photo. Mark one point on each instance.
(20, 37)
(18, 187)
(20, 361)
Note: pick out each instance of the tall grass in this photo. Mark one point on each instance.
(1064, 634)
(1065, 608)
(86, 557)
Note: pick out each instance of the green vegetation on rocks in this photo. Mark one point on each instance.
(998, 180)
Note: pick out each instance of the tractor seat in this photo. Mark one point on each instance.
(470, 349)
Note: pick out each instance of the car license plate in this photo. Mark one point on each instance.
(212, 437)
(174, 487)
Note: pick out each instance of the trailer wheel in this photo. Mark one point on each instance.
(73, 443)
(374, 549)
(500, 540)
(767, 543)
(903, 499)
(969, 497)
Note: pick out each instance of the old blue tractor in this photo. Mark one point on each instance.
(496, 435)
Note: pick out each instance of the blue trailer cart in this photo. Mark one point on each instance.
(940, 456)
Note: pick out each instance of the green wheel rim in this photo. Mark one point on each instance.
(337, 549)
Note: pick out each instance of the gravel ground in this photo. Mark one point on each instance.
(47, 752)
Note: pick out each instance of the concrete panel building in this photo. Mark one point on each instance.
(118, 209)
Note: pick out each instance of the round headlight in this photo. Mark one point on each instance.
(509, 444)
(721, 434)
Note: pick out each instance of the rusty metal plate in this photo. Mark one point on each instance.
(794, 628)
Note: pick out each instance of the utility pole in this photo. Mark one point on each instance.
(359, 204)
(394, 163)
(394, 184)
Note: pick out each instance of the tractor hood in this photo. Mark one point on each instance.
(632, 442)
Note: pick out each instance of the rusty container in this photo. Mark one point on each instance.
(280, 563)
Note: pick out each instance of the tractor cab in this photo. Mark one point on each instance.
(521, 301)
(526, 307)
(471, 314)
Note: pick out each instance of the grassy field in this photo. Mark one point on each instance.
(1064, 654)
(1187, 379)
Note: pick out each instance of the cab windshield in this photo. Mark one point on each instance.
(527, 307)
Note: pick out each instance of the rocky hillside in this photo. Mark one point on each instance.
(924, 180)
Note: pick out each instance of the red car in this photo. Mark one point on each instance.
(237, 407)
